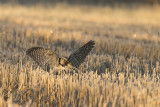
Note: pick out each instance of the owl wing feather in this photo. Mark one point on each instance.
(44, 57)
(78, 56)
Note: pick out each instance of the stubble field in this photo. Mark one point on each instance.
(122, 69)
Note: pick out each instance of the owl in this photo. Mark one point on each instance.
(48, 59)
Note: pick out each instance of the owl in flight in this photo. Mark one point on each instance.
(48, 59)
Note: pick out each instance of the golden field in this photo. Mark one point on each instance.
(122, 70)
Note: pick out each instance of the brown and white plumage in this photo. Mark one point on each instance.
(47, 59)
(78, 56)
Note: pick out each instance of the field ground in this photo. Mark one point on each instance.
(122, 69)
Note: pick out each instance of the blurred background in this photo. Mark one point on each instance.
(120, 27)
(95, 2)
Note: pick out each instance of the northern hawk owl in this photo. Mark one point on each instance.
(48, 59)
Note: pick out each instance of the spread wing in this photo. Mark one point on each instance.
(77, 57)
(44, 57)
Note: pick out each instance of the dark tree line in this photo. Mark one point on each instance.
(83, 1)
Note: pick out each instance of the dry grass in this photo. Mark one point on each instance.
(122, 70)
